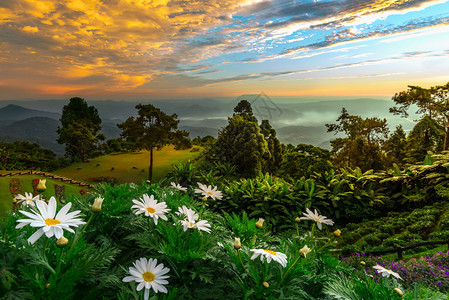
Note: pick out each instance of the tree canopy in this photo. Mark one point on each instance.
(153, 128)
(433, 102)
(361, 146)
(80, 128)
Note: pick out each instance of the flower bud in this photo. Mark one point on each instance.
(297, 219)
(62, 242)
(96, 207)
(204, 199)
(259, 224)
(400, 293)
(237, 244)
(14, 200)
(41, 186)
(149, 182)
(47, 285)
(337, 232)
(305, 250)
(362, 263)
(266, 284)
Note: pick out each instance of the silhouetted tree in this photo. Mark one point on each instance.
(395, 146)
(426, 135)
(80, 128)
(152, 128)
(433, 102)
(362, 145)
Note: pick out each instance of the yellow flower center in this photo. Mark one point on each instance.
(271, 252)
(191, 224)
(209, 193)
(148, 276)
(52, 222)
(318, 220)
(29, 199)
(150, 210)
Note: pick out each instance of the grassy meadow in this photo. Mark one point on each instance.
(129, 167)
(6, 197)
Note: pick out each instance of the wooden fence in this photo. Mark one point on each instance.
(62, 178)
(399, 250)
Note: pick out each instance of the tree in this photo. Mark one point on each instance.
(362, 145)
(433, 102)
(80, 128)
(274, 146)
(152, 128)
(304, 160)
(426, 135)
(395, 146)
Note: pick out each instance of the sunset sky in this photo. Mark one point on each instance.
(139, 49)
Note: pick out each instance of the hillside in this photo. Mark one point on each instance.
(128, 167)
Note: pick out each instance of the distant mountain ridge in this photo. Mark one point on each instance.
(14, 112)
(295, 123)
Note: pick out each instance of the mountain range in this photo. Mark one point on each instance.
(295, 123)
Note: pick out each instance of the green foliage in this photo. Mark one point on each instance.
(432, 102)
(28, 156)
(242, 144)
(80, 128)
(361, 146)
(303, 161)
(153, 128)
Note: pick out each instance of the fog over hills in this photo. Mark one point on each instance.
(295, 122)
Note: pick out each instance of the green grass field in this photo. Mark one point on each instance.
(6, 197)
(128, 167)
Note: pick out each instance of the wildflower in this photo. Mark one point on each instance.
(149, 275)
(270, 255)
(400, 293)
(207, 191)
(178, 187)
(27, 200)
(385, 272)
(62, 242)
(305, 250)
(220, 244)
(41, 186)
(151, 207)
(317, 218)
(337, 232)
(237, 243)
(96, 207)
(191, 223)
(266, 284)
(45, 218)
(185, 211)
(259, 224)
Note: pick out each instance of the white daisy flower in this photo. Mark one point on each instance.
(149, 275)
(178, 187)
(385, 272)
(190, 222)
(185, 211)
(317, 218)
(27, 200)
(207, 191)
(270, 255)
(151, 207)
(50, 224)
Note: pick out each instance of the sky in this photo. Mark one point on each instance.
(142, 49)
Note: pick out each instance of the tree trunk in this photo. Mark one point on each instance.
(446, 139)
(150, 168)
